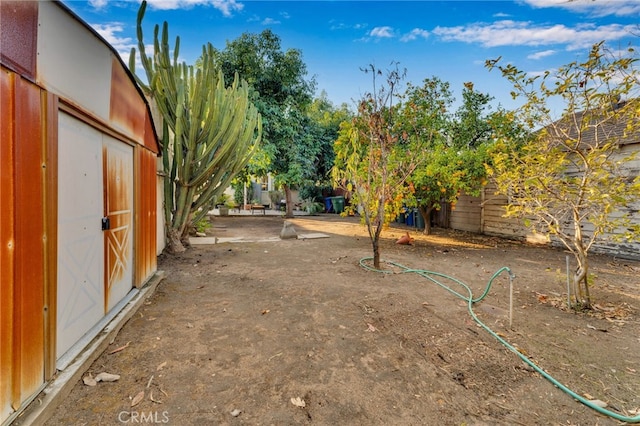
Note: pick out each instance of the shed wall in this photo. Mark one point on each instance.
(23, 282)
(51, 62)
(72, 63)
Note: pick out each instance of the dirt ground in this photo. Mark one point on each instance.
(248, 332)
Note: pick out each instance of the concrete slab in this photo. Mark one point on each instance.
(219, 240)
(312, 235)
(195, 241)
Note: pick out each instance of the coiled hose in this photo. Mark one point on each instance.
(435, 276)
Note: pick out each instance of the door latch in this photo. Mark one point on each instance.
(105, 224)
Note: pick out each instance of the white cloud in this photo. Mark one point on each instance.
(382, 32)
(270, 21)
(591, 7)
(513, 33)
(342, 26)
(414, 34)
(98, 4)
(541, 54)
(109, 33)
(227, 7)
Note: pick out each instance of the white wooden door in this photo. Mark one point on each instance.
(80, 295)
(118, 165)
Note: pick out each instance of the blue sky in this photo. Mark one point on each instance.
(447, 39)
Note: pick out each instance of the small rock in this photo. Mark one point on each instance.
(200, 234)
(89, 381)
(288, 231)
(236, 412)
(298, 402)
(599, 403)
(107, 377)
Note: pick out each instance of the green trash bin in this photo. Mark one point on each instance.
(419, 220)
(338, 204)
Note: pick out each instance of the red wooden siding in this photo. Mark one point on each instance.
(23, 224)
(146, 215)
(7, 239)
(50, 102)
(127, 110)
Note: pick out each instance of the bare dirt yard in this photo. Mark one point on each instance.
(288, 332)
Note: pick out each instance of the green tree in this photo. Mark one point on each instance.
(457, 144)
(282, 94)
(372, 160)
(326, 119)
(571, 178)
(209, 131)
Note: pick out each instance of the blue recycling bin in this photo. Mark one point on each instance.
(327, 204)
(409, 220)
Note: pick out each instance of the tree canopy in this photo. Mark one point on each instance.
(282, 92)
(572, 177)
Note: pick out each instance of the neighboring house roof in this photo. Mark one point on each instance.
(620, 124)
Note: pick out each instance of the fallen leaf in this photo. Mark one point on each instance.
(107, 377)
(266, 311)
(157, 401)
(137, 399)
(298, 402)
(542, 298)
(161, 366)
(371, 328)
(119, 349)
(599, 403)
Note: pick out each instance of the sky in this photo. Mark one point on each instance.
(450, 40)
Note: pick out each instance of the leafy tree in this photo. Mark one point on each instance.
(325, 119)
(373, 161)
(424, 117)
(282, 95)
(209, 131)
(457, 144)
(569, 178)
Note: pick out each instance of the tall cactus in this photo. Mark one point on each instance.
(209, 131)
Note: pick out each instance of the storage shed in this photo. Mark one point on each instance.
(78, 193)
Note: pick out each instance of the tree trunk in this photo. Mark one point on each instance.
(287, 197)
(582, 282)
(425, 212)
(583, 265)
(174, 241)
(375, 243)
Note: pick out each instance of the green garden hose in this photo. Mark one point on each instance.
(436, 276)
